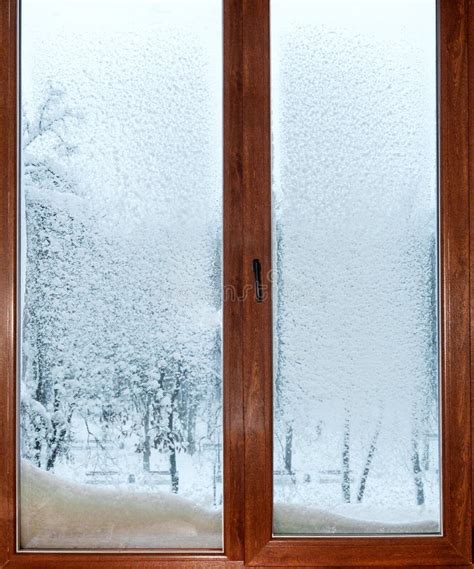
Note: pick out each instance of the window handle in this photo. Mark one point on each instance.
(257, 272)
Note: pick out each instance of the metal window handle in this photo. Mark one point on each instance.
(257, 273)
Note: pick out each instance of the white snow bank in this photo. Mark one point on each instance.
(56, 513)
(291, 519)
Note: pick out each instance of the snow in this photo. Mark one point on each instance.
(57, 513)
(295, 519)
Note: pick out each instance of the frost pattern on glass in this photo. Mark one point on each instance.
(121, 380)
(356, 442)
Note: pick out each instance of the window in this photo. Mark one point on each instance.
(235, 283)
(355, 251)
(121, 318)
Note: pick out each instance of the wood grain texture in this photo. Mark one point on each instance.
(234, 485)
(471, 225)
(368, 566)
(454, 546)
(257, 316)
(125, 561)
(8, 201)
(468, 566)
(455, 300)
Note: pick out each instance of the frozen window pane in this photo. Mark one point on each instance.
(356, 444)
(121, 379)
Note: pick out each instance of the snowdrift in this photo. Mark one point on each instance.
(298, 519)
(57, 513)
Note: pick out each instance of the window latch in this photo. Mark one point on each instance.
(257, 273)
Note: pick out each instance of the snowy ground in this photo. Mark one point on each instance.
(56, 513)
(291, 519)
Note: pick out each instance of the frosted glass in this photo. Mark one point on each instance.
(121, 380)
(354, 129)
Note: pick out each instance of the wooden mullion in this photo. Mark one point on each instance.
(234, 485)
(257, 316)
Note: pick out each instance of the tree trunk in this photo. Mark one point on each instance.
(172, 434)
(41, 395)
(426, 453)
(346, 476)
(37, 456)
(55, 440)
(146, 432)
(415, 459)
(368, 462)
(174, 472)
(58, 435)
(191, 430)
(289, 449)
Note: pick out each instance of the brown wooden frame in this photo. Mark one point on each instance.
(247, 325)
(453, 548)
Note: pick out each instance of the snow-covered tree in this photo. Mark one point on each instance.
(53, 236)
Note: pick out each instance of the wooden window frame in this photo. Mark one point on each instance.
(248, 385)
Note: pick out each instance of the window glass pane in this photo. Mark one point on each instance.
(356, 443)
(121, 193)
